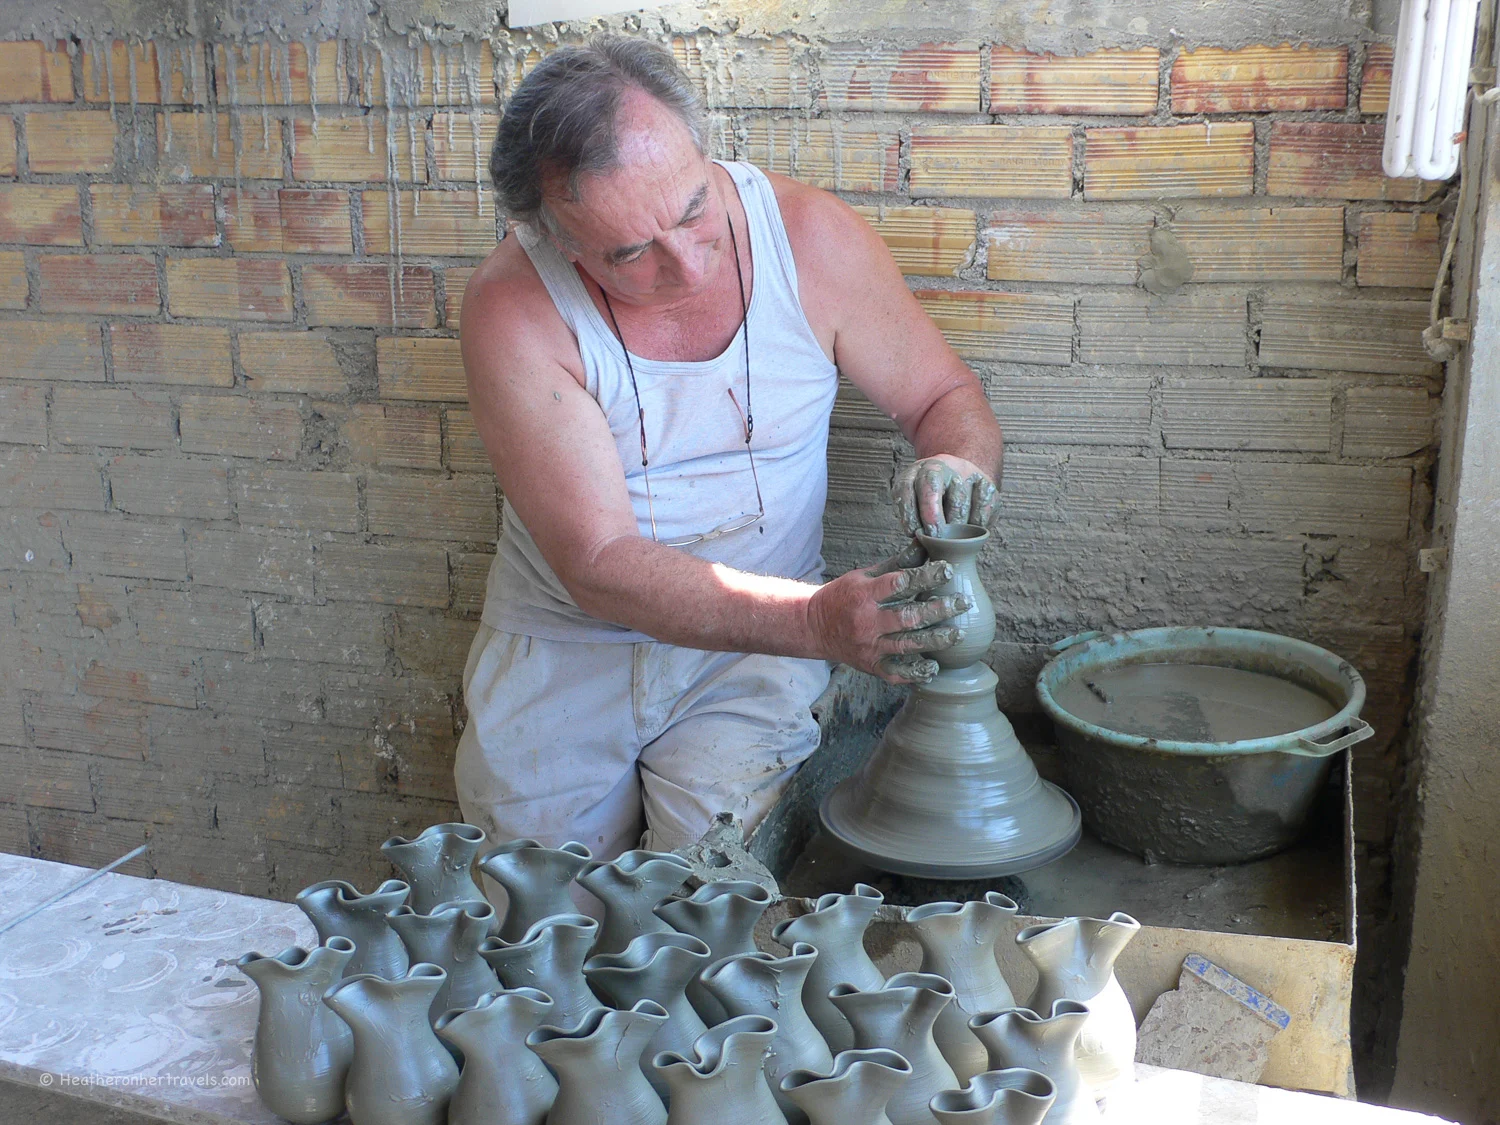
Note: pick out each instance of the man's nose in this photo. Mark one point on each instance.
(685, 257)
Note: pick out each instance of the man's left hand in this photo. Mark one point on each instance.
(944, 489)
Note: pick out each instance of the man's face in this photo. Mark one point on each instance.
(651, 230)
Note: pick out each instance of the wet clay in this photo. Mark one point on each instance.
(1192, 702)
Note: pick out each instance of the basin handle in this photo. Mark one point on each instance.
(1359, 730)
(1076, 639)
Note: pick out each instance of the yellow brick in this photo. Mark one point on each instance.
(455, 146)
(32, 71)
(428, 368)
(1200, 329)
(189, 148)
(1021, 162)
(1335, 160)
(171, 353)
(825, 153)
(252, 219)
(381, 434)
(292, 362)
(743, 73)
(1375, 81)
(924, 240)
(110, 79)
(136, 215)
(1093, 246)
(455, 281)
(1012, 327)
(40, 214)
(1276, 244)
(930, 78)
(51, 349)
(242, 288)
(1399, 250)
(72, 140)
(354, 148)
(1257, 79)
(12, 279)
(266, 73)
(438, 71)
(370, 293)
(1101, 82)
(1330, 334)
(430, 222)
(464, 449)
(1170, 162)
(9, 161)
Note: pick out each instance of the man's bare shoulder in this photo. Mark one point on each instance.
(507, 308)
(816, 220)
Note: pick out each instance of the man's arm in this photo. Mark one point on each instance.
(889, 348)
(558, 466)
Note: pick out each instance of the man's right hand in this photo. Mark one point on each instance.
(872, 620)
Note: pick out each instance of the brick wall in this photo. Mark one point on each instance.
(246, 517)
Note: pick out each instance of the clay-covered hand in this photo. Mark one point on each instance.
(882, 619)
(944, 489)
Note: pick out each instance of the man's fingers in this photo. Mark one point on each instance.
(932, 639)
(928, 487)
(906, 502)
(986, 503)
(909, 557)
(907, 669)
(918, 615)
(928, 577)
(956, 499)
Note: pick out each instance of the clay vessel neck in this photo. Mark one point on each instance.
(630, 887)
(1075, 958)
(900, 1017)
(836, 929)
(857, 1087)
(550, 958)
(536, 880)
(960, 545)
(502, 1083)
(1020, 1038)
(598, 1067)
(438, 863)
(997, 1097)
(721, 1079)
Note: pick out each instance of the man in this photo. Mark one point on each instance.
(652, 362)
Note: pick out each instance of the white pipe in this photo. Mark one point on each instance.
(1429, 88)
(1406, 74)
(1440, 162)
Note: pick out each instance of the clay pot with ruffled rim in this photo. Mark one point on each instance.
(502, 1082)
(598, 1067)
(631, 886)
(899, 1017)
(723, 916)
(720, 1079)
(536, 880)
(438, 863)
(1075, 960)
(401, 1073)
(654, 967)
(1019, 1037)
(758, 984)
(958, 943)
(302, 1049)
(450, 937)
(997, 1097)
(836, 929)
(337, 908)
(856, 1088)
(550, 958)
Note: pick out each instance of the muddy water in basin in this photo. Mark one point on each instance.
(1192, 702)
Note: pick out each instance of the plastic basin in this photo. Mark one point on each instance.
(1203, 802)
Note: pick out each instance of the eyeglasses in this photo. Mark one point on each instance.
(747, 419)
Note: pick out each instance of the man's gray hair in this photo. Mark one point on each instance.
(560, 122)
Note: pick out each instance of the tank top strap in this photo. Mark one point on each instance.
(568, 294)
(769, 241)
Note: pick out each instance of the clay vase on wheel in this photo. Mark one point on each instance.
(758, 984)
(502, 1082)
(1019, 1038)
(598, 1067)
(450, 937)
(438, 863)
(720, 1081)
(856, 1089)
(722, 915)
(899, 1017)
(549, 958)
(997, 1097)
(836, 929)
(536, 880)
(631, 887)
(654, 967)
(337, 908)
(958, 943)
(948, 792)
(1075, 960)
(302, 1049)
(401, 1073)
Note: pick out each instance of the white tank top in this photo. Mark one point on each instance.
(700, 472)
